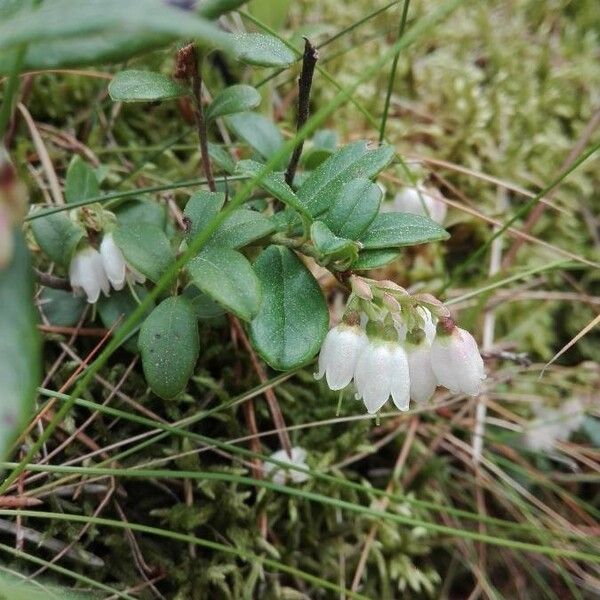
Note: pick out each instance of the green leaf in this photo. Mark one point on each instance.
(136, 212)
(314, 157)
(328, 244)
(169, 345)
(206, 308)
(57, 236)
(105, 29)
(146, 248)
(201, 208)
(323, 185)
(143, 86)
(227, 277)
(213, 9)
(233, 99)
(274, 183)
(60, 307)
(401, 229)
(240, 228)
(354, 209)
(221, 158)
(372, 259)
(261, 50)
(257, 131)
(81, 182)
(293, 317)
(119, 305)
(20, 352)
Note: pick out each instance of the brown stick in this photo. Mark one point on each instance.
(274, 407)
(51, 281)
(309, 60)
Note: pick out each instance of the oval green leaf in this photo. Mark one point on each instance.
(201, 208)
(354, 209)
(390, 230)
(293, 318)
(240, 228)
(233, 99)
(274, 183)
(146, 248)
(329, 244)
(57, 236)
(213, 9)
(61, 308)
(143, 86)
(81, 182)
(323, 186)
(169, 345)
(117, 307)
(20, 356)
(261, 50)
(373, 259)
(228, 278)
(258, 132)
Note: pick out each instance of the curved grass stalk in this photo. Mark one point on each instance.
(313, 496)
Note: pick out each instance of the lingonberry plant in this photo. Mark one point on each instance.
(322, 206)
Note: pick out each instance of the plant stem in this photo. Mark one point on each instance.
(189, 67)
(309, 60)
(51, 281)
(388, 95)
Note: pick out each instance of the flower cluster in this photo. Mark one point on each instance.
(92, 271)
(394, 344)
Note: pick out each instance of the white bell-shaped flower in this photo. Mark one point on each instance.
(86, 274)
(117, 269)
(113, 261)
(419, 201)
(456, 361)
(279, 474)
(422, 378)
(382, 371)
(339, 354)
